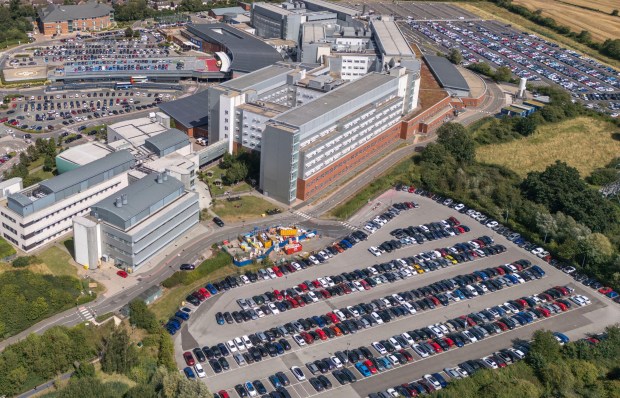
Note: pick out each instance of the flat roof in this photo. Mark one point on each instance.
(136, 131)
(249, 53)
(334, 7)
(333, 99)
(190, 111)
(275, 8)
(167, 139)
(85, 153)
(446, 73)
(144, 197)
(247, 82)
(228, 10)
(10, 181)
(390, 39)
(59, 13)
(313, 32)
(84, 173)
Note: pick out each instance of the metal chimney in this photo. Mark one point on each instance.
(124, 199)
(159, 178)
(165, 176)
(118, 202)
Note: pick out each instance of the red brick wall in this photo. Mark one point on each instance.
(315, 184)
(474, 101)
(92, 24)
(412, 126)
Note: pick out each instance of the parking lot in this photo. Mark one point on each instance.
(50, 111)
(527, 55)
(417, 11)
(204, 331)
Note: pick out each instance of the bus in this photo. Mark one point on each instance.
(123, 85)
(139, 79)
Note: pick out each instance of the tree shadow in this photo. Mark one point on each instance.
(615, 136)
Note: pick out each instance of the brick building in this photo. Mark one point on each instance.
(62, 19)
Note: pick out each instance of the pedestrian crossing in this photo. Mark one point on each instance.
(348, 226)
(302, 214)
(86, 313)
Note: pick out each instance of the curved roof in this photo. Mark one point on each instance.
(249, 53)
(446, 73)
(59, 13)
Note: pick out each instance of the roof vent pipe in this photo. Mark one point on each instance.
(124, 196)
(165, 176)
(159, 178)
(118, 202)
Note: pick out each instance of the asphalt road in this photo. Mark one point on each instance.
(186, 253)
(203, 330)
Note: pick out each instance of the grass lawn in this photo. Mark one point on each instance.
(217, 175)
(57, 261)
(172, 298)
(248, 208)
(401, 172)
(5, 248)
(583, 143)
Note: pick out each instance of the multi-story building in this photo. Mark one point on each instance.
(61, 19)
(43, 212)
(309, 147)
(284, 21)
(136, 223)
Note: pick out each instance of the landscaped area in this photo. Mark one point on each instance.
(583, 143)
(247, 208)
(216, 173)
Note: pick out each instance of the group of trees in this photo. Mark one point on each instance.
(501, 74)
(27, 297)
(244, 165)
(610, 48)
(556, 206)
(15, 23)
(41, 148)
(578, 369)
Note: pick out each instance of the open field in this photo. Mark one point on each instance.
(248, 208)
(583, 143)
(491, 11)
(606, 6)
(58, 261)
(601, 26)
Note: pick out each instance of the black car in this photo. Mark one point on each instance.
(218, 221)
(187, 267)
(199, 354)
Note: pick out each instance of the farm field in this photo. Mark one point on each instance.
(583, 143)
(602, 26)
(606, 6)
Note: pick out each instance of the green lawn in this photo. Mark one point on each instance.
(249, 207)
(218, 174)
(58, 261)
(5, 248)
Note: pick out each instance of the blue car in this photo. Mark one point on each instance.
(459, 293)
(183, 315)
(440, 379)
(561, 337)
(275, 381)
(512, 279)
(363, 369)
(172, 331)
(385, 362)
(319, 321)
(211, 288)
(346, 243)
(189, 373)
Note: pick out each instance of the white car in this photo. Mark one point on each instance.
(250, 389)
(273, 308)
(379, 347)
(393, 359)
(392, 392)
(537, 251)
(271, 273)
(299, 340)
(377, 318)
(489, 363)
(340, 315)
(336, 362)
(313, 297)
(410, 308)
(370, 228)
(374, 251)
(492, 224)
(330, 282)
(433, 381)
(313, 260)
(323, 282)
(259, 312)
(200, 372)
(459, 207)
(408, 338)
(298, 373)
(353, 311)
(246, 341)
(296, 265)
(231, 346)
(395, 343)
(469, 336)
(244, 279)
(239, 343)
(418, 350)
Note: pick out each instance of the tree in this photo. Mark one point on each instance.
(436, 154)
(595, 249)
(238, 171)
(455, 138)
(141, 316)
(526, 126)
(128, 32)
(455, 56)
(48, 164)
(118, 355)
(544, 344)
(227, 161)
(584, 36)
(614, 13)
(23, 159)
(165, 357)
(85, 369)
(502, 74)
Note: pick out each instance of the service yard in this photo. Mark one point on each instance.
(202, 330)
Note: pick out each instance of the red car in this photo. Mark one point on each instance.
(522, 302)
(546, 313)
(500, 271)
(189, 358)
(303, 287)
(333, 317)
(307, 337)
(562, 306)
(278, 295)
(411, 189)
(435, 300)
(316, 284)
(435, 346)
(346, 288)
(122, 274)
(321, 334)
(204, 292)
(325, 294)
(605, 290)
(224, 394)
(279, 273)
(502, 326)
(337, 330)
(562, 290)
(448, 341)
(293, 302)
(370, 366)
(365, 284)
(407, 355)
(300, 301)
